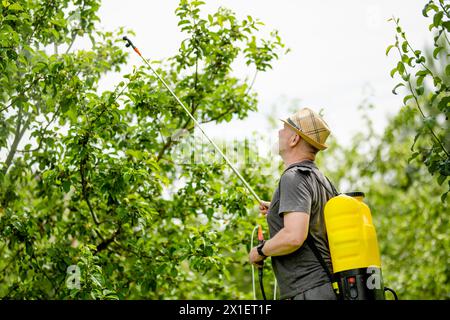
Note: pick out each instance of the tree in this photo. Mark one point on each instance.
(87, 196)
(431, 99)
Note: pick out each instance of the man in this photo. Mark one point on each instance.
(296, 212)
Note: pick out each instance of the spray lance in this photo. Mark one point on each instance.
(129, 43)
(249, 188)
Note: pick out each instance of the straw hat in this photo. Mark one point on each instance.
(310, 126)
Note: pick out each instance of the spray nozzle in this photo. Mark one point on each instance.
(260, 233)
(129, 43)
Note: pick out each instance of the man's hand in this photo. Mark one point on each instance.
(264, 207)
(255, 258)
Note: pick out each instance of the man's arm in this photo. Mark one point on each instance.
(288, 239)
(291, 237)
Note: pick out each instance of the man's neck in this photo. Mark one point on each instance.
(288, 160)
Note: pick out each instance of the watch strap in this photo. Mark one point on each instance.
(259, 248)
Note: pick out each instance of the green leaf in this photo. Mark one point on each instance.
(447, 70)
(15, 7)
(66, 186)
(11, 17)
(389, 49)
(413, 156)
(427, 8)
(422, 73)
(393, 71)
(433, 97)
(95, 279)
(436, 51)
(444, 196)
(438, 18)
(405, 58)
(441, 179)
(420, 90)
(400, 67)
(397, 86)
(446, 25)
(182, 22)
(198, 3)
(47, 174)
(419, 80)
(405, 46)
(210, 212)
(444, 104)
(406, 77)
(408, 97)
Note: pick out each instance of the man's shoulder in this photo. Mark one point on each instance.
(298, 169)
(303, 166)
(294, 175)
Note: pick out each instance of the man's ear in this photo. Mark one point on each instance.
(295, 140)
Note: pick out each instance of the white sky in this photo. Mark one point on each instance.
(337, 56)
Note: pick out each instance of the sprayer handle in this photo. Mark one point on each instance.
(264, 207)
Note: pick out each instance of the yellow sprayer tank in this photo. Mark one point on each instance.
(353, 247)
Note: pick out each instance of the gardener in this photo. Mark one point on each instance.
(296, 209)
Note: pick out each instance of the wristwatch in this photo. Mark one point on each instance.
(259, 249)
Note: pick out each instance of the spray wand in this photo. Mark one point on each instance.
(249, 188)
(128, 44)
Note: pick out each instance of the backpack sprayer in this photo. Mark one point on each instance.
(351, 234)
(354, 248)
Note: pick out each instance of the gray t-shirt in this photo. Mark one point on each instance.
(300, 191)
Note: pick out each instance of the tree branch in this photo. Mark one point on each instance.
(408, 75)
(423, 116)
(252, 83)
(104, 244)
(17, 137)
(72, 41)
(84, 186)
(21, 93)
(43, 130)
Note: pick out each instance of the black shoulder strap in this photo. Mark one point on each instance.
(333, 191)
(309, 238)
(312, 245)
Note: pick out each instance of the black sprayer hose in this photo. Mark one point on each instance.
(260, 273)
(392, 291)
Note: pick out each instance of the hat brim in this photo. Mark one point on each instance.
(306, 138)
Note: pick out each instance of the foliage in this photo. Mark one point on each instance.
(428, 90)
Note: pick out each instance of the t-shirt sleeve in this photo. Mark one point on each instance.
(295, 195)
